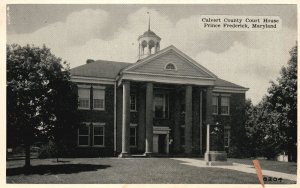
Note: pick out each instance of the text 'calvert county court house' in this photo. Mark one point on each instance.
(159, 105)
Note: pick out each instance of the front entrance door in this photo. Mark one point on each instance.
(162, 143)
(161, 139)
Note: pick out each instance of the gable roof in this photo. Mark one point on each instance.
(100, 69)
(178, 52)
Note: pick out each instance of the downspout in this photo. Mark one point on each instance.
(115, 118)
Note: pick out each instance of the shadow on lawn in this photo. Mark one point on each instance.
(55, 169)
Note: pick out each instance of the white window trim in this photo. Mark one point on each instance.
(217, 105)
(227, 114)
(88, 125)
(135, 144)
(133, 110)
(170, 69)
(98, 125)
(99, 88)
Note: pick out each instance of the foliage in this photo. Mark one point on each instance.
(41, 100)
(272, 124)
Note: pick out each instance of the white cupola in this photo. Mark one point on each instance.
(149, 43)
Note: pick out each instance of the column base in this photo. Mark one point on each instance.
(212, 156)
(124, 155)
(148, 154)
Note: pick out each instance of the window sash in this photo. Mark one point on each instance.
(84, 103)
(161, 106)
(132, 102)
(98, 103)
(82, 136)
(132, 137)
(100, 135)
(99, 99)
(215, 104)
(225, 101)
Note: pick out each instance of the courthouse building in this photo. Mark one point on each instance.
(159, 105)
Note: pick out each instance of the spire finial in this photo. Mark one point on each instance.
(149, 21)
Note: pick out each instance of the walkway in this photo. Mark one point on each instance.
(238, 167)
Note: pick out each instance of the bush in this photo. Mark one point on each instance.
(47, 151)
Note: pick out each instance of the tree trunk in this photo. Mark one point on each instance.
(27, 155)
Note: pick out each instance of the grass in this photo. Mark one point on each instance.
(122, 171)
(285, 167)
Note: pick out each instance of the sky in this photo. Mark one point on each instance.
(109, 32)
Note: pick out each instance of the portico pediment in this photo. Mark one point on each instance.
(169, 65)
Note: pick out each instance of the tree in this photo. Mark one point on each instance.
(272, 124)
(282, 100)
(40, 97)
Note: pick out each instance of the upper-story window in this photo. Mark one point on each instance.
(215, 104)
(225, 105)
(161, 106)
(84, 97)
(133, 102)
(99, 99)
(170, 66)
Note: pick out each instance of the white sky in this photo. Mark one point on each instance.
(79, 32)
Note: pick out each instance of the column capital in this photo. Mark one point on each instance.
(125, 82)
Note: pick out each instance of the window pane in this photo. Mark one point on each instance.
(84, 103)
(84, 93)
(98, 93)
(224, 110)
(98, 130)
(132, 140)
(83, 140)
(98, 140)
(132, 102)
(98, 103)
(132, 131)
(224, 101)
(170, 66)
(84, 131)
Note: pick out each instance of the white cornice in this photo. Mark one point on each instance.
(159, 78)
(93, 80)
(230, 89)
(168, 75)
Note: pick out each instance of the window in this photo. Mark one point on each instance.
(226, 137)
(161, 106)
(132, 102)
(84, 98)
(182, 135)
(132, 136)
(84, 136)
(170, 66)
(215, 104)
(225, 105)
(98, 98)
(98, 133)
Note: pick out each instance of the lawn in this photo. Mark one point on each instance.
(123, 171)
